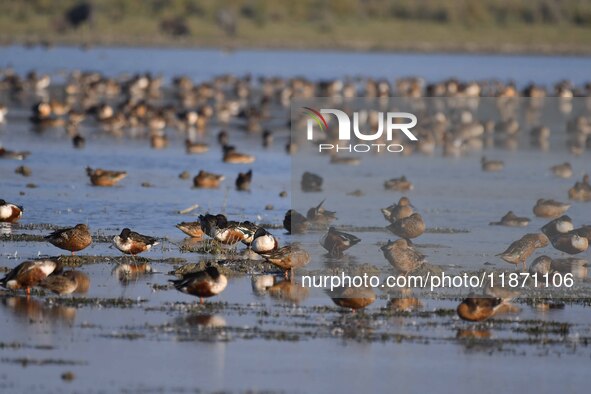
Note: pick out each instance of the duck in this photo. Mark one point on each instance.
(14, 155)
(410, 227)
(60, 284)
(130, 242)
(319, 215)
(243, 181)
(82, 280)
(29, 274)
(234, 157)
(248, 229)
(563, 170)
(227, 232)
(476, 308)
(581, 191)
(511, 220)
(78, 141)
(336, 242)
(3, 112)
(399, 184)
(520, 250)
(491, 165)
(311, 182)
(288, 258)
(584, 231)
(294, 222)
(264, 242)
(561, 225)
(402, 255)
(541, 265)
(267, 138)
(207, 180)
(353, 298)
(571, 243)
(398, 211)
(104, 178)
(10, 213)
(192, 229)
(73, 239)
(345, 160)
(196, 147)
(203, 284)
(223, 138)
(550, 208)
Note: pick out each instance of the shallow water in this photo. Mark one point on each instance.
(288, 339)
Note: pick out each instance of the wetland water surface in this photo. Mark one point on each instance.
(139, 334)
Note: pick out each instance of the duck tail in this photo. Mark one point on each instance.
(320, 205)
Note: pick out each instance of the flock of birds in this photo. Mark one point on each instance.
(133, 106)
(404, 222)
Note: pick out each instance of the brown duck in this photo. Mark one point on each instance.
(398, 211)
(288, 258)
(234, 157)
(581, 191)
(410, 227)
(243, 181)
(294, 222)
(202, 284)
(399, 184)
(353, 298)
(402, 255)
(319, 215)
(105, 178)
(29, 274)
(192, 229)
(550, 208)
(72, 239)
(130, 242)
(478, 308)
(511, 220)
(207, 180)
(10, 212)
(60, 284)
(336, 242)
(520, 250)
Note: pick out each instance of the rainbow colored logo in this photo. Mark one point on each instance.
(317, 117)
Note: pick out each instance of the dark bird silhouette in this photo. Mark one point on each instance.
(79, 14)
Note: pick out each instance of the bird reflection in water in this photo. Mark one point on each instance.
(128, 273)
(279, 288)
(5, 228)
(33, 311)
(404, 301)
(205, 320)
